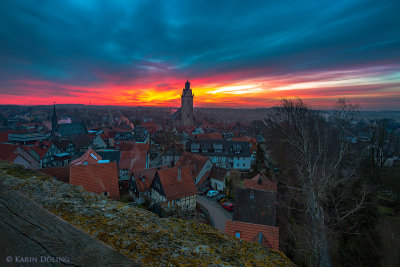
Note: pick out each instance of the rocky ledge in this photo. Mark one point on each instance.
(136, 232)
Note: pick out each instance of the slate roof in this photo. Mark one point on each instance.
(62, 144)
(127, 136)
(140, 134)
(228, 147)
(251, 232)
(81, 141)
(255, 206)
(75, 128)
(261, 183)
(173, 151)
(177, 188)
(111, 155)
(90, 157)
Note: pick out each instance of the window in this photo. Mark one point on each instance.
(244, 164)
(237, 234)
(252, 194)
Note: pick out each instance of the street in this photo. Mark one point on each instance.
(217, 213)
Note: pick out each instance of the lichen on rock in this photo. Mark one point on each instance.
(135, 232)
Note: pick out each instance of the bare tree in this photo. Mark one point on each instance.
(315, 150)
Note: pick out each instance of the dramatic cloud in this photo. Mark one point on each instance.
(236, 53)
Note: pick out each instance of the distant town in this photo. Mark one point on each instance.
(208, 165)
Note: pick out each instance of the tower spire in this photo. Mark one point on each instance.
(54, 121)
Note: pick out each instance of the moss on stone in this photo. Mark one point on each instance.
(138, 233)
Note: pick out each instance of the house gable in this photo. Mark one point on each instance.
(157, 186)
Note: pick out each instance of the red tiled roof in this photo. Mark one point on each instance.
(90, 156)
(151, 126)
(252, 140)
(148, 175)
(187, 129)
(195, 160)
(97, 178)
(3, 137)
(41, 147)
(134, 159)
(7, 152)
(177, 188)
(60, 173)
(203, 178)
(209, 136)
(218, 173)
(250, 232)
(108, 133)
(264, 184)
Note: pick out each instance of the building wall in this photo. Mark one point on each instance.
(207, 167)
(167, 159)
(123, 174)
(99, 143)
(187, 110)
(186, 203)
(157, 197)
(21, 161)
(242, 163)
(33, 162)
(217, 184)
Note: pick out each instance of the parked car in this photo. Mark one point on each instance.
(203, 191)
(220, 197)
(225, 199)
(212, 193)
(228, 206)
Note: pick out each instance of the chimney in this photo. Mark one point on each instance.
(260, 238)
(179, 173)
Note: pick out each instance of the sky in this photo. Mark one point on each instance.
(239, 54)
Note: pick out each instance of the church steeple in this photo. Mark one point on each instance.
(187, 105)
(187, 84)
(54, 120)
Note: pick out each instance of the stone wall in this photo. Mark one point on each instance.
(135, 232)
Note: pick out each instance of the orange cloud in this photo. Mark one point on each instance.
(368, 87)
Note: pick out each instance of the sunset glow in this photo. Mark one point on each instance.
(143, 54)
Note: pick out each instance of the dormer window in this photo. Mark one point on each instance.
(237, 234)
(252, 195)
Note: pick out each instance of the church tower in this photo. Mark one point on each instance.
(54, 121)
(187, 105)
